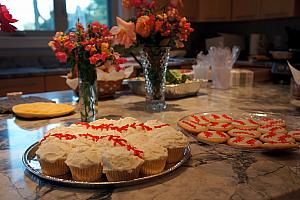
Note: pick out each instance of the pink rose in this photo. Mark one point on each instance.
(144, 26)
(124, 33)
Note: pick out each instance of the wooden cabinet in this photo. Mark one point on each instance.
(278, 8)
(190, 10)
(25, 85)
(245, 9)
(29, 85)
(239, 10)
(53, 83)
(214, 10)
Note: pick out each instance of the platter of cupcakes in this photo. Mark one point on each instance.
(248, 131)
(107, 152)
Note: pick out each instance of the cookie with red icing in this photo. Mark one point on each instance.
(224, 118)
(199, 118)
(271, 129)
(271, 121)
(213, 136)
(279, 145)
(220, 126)
(192, 126)
(244, 142)
(273, 137)
(295, 134)
(245, 123)
(246, 132)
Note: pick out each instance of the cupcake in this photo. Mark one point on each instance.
(155, 158)
(52, 156)
(175, 142)
(85, 164)
(119, 164)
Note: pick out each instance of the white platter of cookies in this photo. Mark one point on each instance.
(251, 131)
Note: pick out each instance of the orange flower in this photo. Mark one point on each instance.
(144, 25)
(124, 33)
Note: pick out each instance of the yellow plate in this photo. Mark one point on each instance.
(42, 110)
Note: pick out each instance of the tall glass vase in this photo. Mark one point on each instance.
(88, 100)
(154, 61)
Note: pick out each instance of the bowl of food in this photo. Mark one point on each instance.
(178, 84)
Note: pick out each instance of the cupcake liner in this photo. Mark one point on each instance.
(123, 175)
(92, 173)
(153, 166)
(175, 154)
(54, 169)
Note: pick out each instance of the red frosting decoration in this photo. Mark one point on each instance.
(144, 127)
(204, 118)
(283, 138)
(196, 118)
(207, 134)
(187, 123)
(238, 139)
(240, 122)
(252, 122)
(220, 133)
(116, 139)
(214, 123)
(225, 125)
(160, 126)
(227, 117)
(244, 132)
(251, 142)
(215, 116)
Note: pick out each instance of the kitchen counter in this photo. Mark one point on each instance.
(211, 173)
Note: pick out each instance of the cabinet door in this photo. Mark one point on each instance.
(214, 10)
(25, 85)
(190, 9)
(53, 83)
(277, 8)
(245, 9)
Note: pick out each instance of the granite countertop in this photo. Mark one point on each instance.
(211, 173)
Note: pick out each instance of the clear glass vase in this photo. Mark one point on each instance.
(88, 99)
(154, 61)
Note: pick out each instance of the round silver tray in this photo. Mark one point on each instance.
(31, 163)
(254, 115)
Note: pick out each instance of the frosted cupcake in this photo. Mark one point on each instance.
(155, 158)
(175, 142)
(85, 164)
(119, 164)
(52, 156)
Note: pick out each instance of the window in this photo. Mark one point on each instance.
(87, 11)
(32, 14)
(50, 15)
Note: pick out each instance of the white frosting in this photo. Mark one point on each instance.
(53, 151)
(103, 121)
(153, 151)
(137, 139)
(171, 139)
(126, 120)
(153, 123)
(120, 159)
(83, 157)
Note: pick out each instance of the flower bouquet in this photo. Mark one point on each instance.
(6, 19)
(88, 52)
(155, 27)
